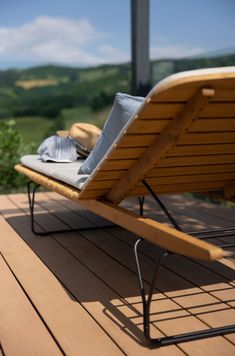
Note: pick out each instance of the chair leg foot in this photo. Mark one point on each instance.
(146, 303)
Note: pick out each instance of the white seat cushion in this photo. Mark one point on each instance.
(65, 172)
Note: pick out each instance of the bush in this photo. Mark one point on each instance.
(57, 124)
(11, 149)
(101, 101)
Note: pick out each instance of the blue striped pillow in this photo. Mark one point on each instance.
(124, 107)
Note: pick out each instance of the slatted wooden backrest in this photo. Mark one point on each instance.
(181, 140)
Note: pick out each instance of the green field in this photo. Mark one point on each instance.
(35, 129)
(85, 114)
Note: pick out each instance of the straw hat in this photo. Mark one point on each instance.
(84, 135)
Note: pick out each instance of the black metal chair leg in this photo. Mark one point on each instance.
(31, 199)
(203, 234)
(146, 302)
(162, 206)
(141, 205)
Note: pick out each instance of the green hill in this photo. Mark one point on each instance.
(50, 97)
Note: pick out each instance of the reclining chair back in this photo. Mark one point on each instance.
(182, 139)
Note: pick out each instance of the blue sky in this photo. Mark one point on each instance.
(92, 32)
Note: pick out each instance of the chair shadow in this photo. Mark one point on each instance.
(87, 282)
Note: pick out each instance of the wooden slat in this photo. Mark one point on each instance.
(207, 138)
(103, 184)
(196, 160)
(202, 149)
(118, 164)
(200, 125)
(171, 110)
(186, 150)
(187, 139)
(155, 181)
(148, 126)
(188, 170)
(161, 111)
(213, 125)
(127, 153)
(181, 188)
(106, 175)
(217, 110)
(96, 193)
(169, 137)
(136, 140)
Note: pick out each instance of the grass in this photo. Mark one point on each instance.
(33, 83)
(85, 114)
(35, 129)
(98, 73)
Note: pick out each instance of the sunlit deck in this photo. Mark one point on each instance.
(78, 294)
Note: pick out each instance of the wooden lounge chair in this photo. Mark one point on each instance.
(182, 139)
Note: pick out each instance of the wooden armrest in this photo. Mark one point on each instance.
(165, 237)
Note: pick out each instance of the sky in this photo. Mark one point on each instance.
(93, 32)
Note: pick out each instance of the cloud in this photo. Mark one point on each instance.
(113, 55)
(174, 51)
(56, 40)
(65, 41)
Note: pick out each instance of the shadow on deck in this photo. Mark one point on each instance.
(77, 293)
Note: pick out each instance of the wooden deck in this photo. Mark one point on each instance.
(77, 293)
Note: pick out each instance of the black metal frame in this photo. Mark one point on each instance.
(31, 199)
(146, 301)
(202, 234)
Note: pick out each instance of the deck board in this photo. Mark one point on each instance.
(21, 328)
(96, 269)
(1, 351)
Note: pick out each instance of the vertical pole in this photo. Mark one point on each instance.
(140, 66)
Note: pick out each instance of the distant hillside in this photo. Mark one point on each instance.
(46, 90)
(163, 68)
(45, 99)
(30, 91)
